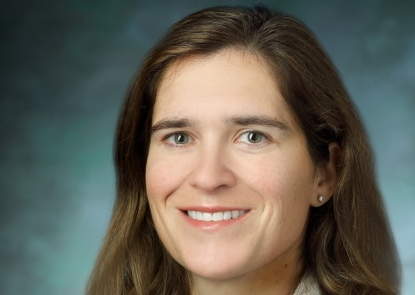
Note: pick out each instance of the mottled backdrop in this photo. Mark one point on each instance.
(65, 67)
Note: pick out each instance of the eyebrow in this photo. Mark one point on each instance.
(237, 120)
(257, 120)
(172, 123)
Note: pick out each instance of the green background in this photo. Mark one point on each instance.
(65, 67)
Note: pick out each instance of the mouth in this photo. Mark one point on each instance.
(215, 216)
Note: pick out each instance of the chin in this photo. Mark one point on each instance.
(217, 269)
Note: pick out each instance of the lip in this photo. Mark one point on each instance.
(212, 225)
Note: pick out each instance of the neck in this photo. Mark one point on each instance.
(278, 277)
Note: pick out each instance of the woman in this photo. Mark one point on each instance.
(243, 168)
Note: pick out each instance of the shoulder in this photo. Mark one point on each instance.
(307, 286)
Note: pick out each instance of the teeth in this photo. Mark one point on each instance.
(199, 215)
(192, 214)
(207, 216)
(235, 213)
(216, 216)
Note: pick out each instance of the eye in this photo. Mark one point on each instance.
(178, 139)
(253, 137)
(181, 138)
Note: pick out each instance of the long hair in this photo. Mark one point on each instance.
(348, 247)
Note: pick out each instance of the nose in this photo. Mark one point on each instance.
(212, 170)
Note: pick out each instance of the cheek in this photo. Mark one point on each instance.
(163, 175)
(280, 177)
(285, 182)
(157, 181)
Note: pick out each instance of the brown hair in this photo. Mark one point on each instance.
(348, 247)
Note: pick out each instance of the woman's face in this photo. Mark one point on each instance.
(224, 147)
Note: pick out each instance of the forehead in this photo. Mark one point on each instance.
(238, 81)
(185, 69)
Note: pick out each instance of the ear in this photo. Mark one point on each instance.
(327, 177)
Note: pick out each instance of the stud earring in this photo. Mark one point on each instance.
(320, 198)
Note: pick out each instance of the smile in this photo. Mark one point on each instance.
(215, 216)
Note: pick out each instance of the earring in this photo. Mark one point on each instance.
(320, 198)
